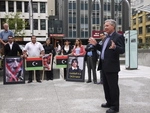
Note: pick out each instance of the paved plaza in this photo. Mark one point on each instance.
(60, 96)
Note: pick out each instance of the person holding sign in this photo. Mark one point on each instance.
(34, 49)
(49, 49)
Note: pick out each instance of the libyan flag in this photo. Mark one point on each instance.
(33, 63)
(61, 61)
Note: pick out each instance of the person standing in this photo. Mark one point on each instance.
(78, 49)
(91, 58)
(12, 48)
(58, 48)
(4, 36)
(49, 49)
(34, 49)
(111, 48)
(66, 50)
(102, 37)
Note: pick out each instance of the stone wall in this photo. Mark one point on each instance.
(144, 57)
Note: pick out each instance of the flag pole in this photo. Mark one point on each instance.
(30, 8)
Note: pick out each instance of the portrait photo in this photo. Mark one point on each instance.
(47, 61)
(13, 70)
(75, 69)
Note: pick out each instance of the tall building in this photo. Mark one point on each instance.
(81, 17)
(41, 10)
(141, 23)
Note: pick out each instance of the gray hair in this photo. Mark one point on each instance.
(112, 22)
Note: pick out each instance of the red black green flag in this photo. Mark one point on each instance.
(61, 61)
(34, 63)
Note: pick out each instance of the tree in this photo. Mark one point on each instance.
(16, 24)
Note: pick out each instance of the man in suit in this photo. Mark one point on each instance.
(111, 48)
(12, 48)
(14, 71)
(91, 58)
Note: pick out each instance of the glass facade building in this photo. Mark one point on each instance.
(81, 17)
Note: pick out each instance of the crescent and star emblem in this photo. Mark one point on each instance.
(34, 63)
(63, 61)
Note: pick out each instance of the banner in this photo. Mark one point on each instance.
(47, 62)
(33, 63)
(61, 61)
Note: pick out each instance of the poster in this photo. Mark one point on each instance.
(76, 69)
(13, 70)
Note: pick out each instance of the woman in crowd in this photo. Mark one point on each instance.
(78, 49)
(58, 48)
(49, 49)
(66, 50)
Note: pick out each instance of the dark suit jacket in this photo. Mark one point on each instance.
(12, 52)
(111, 61)
(94, 52)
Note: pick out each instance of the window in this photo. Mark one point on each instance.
(35, 7)
(84, 6)
(148, 17)
(72, 5)
(35, 22)
(84, 20)
(119, 21)
(107, 7)
(2, 6)
(140, 30)
(10, 6)
(27, 27)
(2, 22)
(72, 19)
(95, 20)
(42, 7)
(19, 6)
(140, 19)
(43, 24)
(70, 33)
(26, 6)
(96, 7)
(148, 29)
(134, 21)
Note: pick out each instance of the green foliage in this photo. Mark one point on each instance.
(16, 24)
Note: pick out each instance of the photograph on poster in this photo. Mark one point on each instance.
(75, 68)
(13, 70)
(47, 62)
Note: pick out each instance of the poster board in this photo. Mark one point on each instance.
(13, 70)
(75, 69)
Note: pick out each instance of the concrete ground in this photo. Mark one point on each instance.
(60, 96)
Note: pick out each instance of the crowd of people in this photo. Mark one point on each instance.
(107, 51)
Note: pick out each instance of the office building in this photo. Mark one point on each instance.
(81, 17)
(41, 10)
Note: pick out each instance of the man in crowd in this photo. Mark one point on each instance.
(111, 48)
(12, 48)
(34, 49)
(91, 58)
